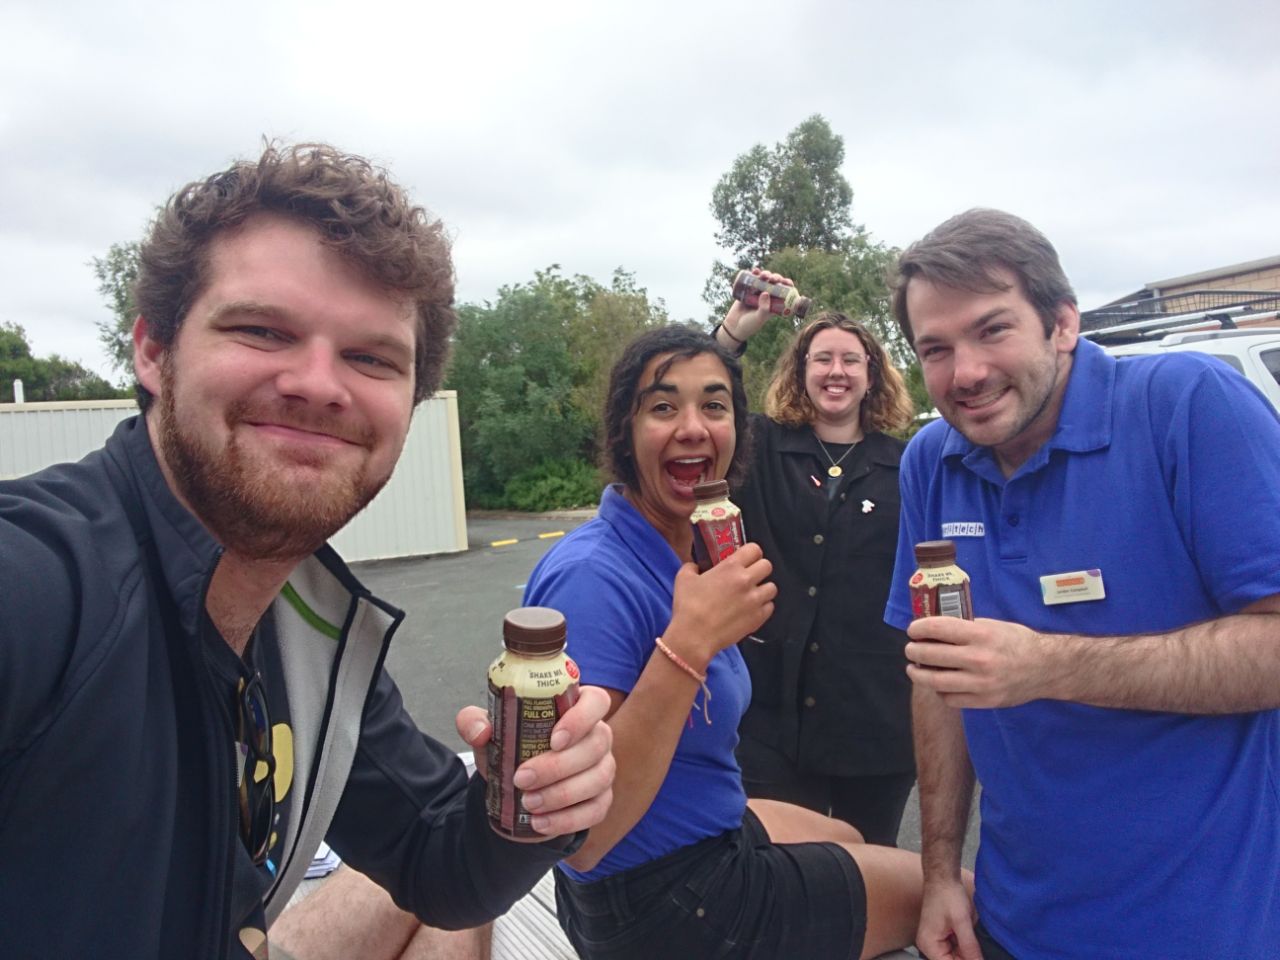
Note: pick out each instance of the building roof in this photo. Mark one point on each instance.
(1153, 287)
(1249, 266)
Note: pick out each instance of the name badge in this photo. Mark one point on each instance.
(1072, 587)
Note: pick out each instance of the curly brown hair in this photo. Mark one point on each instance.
(354, 206)
(887, 404)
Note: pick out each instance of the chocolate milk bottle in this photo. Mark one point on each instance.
(939, 588)
(717, 524)
(531, 685)
(784, 300)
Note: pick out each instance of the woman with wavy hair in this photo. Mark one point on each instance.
(829, 726)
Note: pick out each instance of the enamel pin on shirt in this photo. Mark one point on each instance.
(867, 506)
(1074, 587)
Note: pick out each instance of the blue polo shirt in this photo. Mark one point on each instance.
(612, 579)
(1119, 833)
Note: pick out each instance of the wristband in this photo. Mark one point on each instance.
(730, 335)
(701, 678)
(741, 347)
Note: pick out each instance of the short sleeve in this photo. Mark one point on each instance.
(911, 530)
(1221, 456)
(610, 633)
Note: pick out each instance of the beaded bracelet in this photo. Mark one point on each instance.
(701, 678)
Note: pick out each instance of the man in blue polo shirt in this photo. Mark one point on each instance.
(1117, 696)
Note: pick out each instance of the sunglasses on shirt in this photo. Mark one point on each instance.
(257, 796)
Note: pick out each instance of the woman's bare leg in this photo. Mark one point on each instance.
(892, 877)
(894, 884)
(788, 823)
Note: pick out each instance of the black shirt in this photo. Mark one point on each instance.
(250, 884)
(829, 685)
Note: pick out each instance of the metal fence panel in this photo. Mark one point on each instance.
(421, 510)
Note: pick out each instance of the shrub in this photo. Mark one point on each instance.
(554, 485)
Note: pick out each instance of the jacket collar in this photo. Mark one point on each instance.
(187, 551)
(877, 447)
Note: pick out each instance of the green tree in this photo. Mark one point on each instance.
(117, 272)
(612, 317)
(791, 196)
(530, 372)
(47, 378)
(789, 210)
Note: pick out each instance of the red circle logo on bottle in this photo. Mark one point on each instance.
(916, 578)
(718, 511)
(571, 668)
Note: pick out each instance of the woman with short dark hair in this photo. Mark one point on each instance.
(683, 866)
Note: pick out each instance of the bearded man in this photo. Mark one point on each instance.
(191, 686)
(1118, 695)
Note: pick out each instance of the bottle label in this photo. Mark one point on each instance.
(941, 592)
(527, 697)
(782, 298)
(717, 533)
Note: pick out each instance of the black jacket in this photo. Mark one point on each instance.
(829, 684)
(118, 814)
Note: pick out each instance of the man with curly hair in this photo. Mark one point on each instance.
(192, 694)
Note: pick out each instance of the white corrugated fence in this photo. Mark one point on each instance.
(420, 511)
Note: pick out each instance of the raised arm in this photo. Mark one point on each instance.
(711, 611)
(741, 322)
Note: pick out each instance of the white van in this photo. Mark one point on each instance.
(1254, 352)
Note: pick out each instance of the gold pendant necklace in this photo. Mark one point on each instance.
(833, 470)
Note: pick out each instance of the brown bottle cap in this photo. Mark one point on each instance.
(711, 490)
(533, 630)
(936, 551)
(802, 306)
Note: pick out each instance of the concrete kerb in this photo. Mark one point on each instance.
(550, 525)
(578, 513)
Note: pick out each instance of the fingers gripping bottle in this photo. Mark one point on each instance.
(939, 588)
(784, 300)
(717, 524)
(531, 685)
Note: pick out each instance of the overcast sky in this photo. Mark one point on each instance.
(1141, 137)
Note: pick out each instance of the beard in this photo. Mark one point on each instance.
(1034, 392)
(246, 500)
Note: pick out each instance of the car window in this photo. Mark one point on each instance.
(1231, 359)
(1271, 359)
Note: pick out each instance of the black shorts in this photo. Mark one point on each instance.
(732, 896)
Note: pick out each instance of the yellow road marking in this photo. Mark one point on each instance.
(502, 543)
(548, 536)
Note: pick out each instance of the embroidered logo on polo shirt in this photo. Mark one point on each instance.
(973, 529)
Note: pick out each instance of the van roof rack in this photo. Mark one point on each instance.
(1243, 318)
(1198, 336)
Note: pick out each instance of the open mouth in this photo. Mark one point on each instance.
(687, 472)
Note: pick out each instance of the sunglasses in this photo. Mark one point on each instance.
(257, 795)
